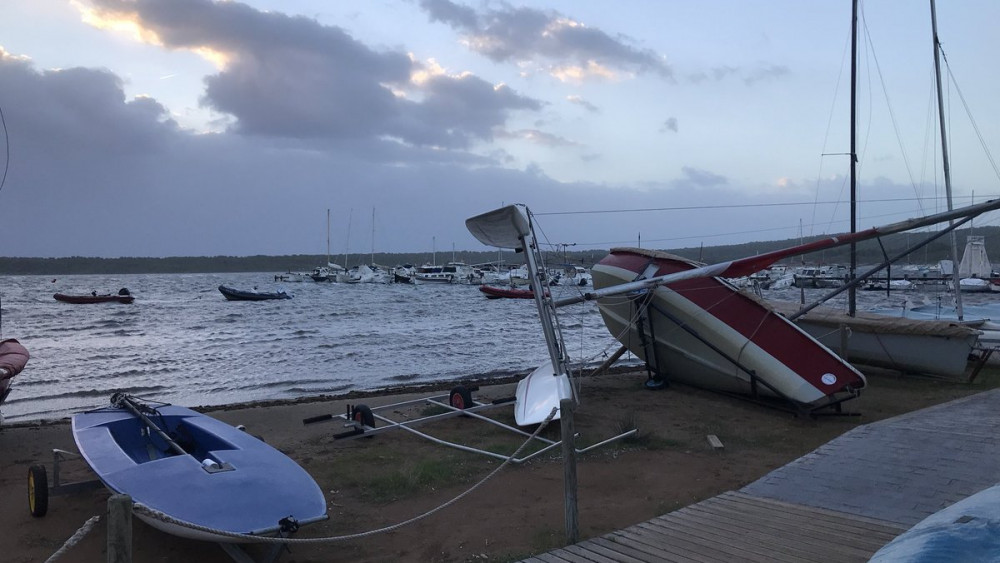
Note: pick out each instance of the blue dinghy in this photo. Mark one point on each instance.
(968, 530)
(196, 469)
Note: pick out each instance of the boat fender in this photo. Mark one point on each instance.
(210, 464)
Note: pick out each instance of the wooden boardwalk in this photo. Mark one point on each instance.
(735, 526)
(839, 503)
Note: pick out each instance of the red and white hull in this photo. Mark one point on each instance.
(729, 327)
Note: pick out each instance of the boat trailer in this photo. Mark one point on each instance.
(360, 421)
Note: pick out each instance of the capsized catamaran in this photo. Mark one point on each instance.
(694, 325)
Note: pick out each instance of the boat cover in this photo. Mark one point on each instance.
(876, 323)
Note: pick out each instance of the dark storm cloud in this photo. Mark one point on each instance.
(77, 111)
(526, 34)
(293, 77)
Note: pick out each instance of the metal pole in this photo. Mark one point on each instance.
(944, 159)
(120, 529)
(569, 470)
(852, 292)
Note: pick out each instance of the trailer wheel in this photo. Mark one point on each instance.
(363, 415)
(460, 398)
(38, 491)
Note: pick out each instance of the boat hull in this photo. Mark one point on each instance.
(233, 294)
(968, 530)
(13, 358)
(83, 299)
(913, 346)
(262, 487)
(697, 330)
(493, 292)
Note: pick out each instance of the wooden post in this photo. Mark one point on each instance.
(120, 529)
(569, 470)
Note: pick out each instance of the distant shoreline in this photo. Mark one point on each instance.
(870, 252)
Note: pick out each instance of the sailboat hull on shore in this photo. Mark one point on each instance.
(706, 333)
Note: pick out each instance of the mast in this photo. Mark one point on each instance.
(373, 236)
(944, 159)
(347, 243)
(327, 236)
(852, 295)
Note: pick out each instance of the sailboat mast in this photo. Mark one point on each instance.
(944, 159)
(852, 305)
(327, 236)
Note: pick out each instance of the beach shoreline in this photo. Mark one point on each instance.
(517, 513)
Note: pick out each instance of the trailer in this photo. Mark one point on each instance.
(361, 420)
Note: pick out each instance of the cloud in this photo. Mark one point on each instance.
(293, 77)
(700, 178)
(539, 137)
(669, 125)
(762, 72)
(571, 50)
(583, 103)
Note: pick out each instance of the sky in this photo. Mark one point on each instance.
(202, 128)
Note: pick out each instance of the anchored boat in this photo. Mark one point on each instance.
(233, 294)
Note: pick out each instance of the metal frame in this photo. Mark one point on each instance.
(358, 429)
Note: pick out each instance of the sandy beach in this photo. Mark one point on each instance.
(392, 477)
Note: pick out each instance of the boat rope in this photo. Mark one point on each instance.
(75, 538)
(153, 513)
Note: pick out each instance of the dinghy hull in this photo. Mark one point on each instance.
(229, 481)
(706, 333)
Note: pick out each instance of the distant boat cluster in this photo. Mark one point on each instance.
(450, 273)
(975, 272)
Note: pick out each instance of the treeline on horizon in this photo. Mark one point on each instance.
(870, 252)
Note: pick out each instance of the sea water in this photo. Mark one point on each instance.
(182, 342)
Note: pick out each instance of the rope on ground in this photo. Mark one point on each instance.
(74, 539)
(153, 513)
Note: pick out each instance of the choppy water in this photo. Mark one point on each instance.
(182, 342)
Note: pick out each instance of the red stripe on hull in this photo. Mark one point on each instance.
(757, 323)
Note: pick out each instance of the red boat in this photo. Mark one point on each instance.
(13, 357)
(123, 296)
(493, 292)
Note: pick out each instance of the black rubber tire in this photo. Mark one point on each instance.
(364, 415)
(460, 398)
(38, 491)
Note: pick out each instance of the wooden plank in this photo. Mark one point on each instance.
(619, 547)
(833, 523)
(807, 539)
(785, 547)
(592, 547)
(799, 529)
(552, 557)
(586, 554)
(849, 523)
(816, 511)
(691, 547)
(744, 547)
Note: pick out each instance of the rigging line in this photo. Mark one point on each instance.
(892, 118)
(720, 206)
(829, 123)
(968, 112)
